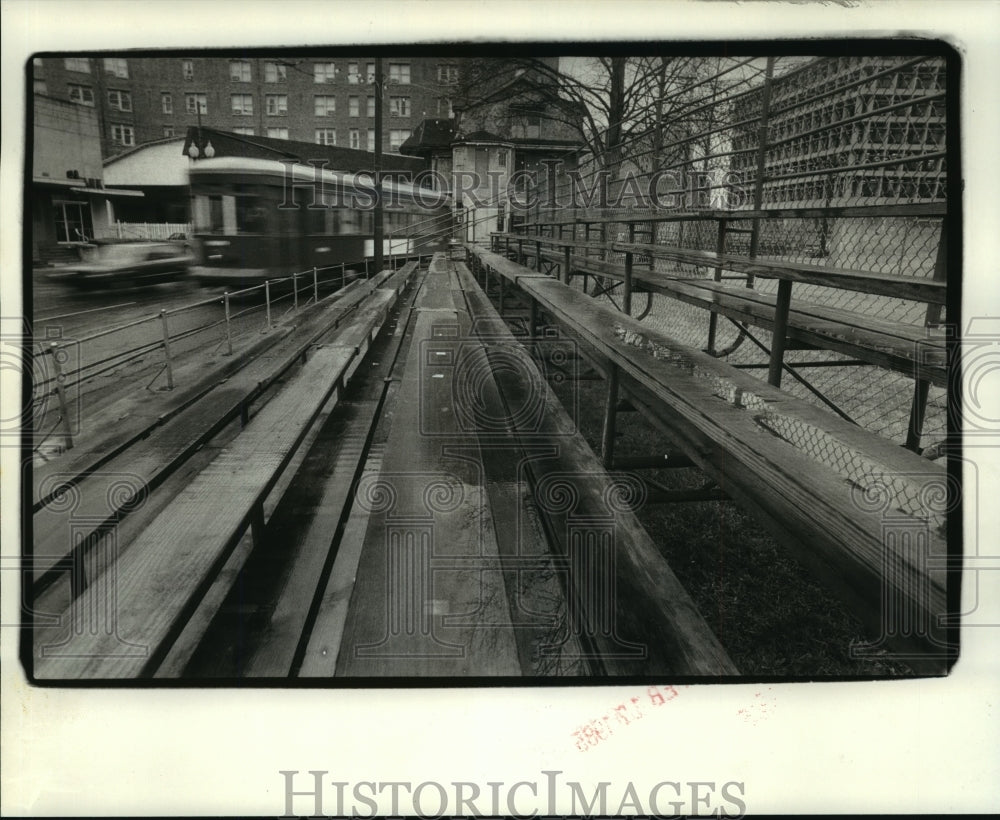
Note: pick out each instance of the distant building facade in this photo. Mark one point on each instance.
(849, 113)
(69, 200)
(328, 101)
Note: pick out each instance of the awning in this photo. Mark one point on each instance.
(110, 192)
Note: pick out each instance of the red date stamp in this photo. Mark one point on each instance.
(635, 708)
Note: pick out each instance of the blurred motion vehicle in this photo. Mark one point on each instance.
(128, 264)
(257, 220)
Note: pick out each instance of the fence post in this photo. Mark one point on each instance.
(229, 330)
(781, 306)
(315, 285)
(627, 292)
(166, 350)
(267, 300)
(61, 395)
(295, 291)
(758, 192)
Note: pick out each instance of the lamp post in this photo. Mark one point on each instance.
(193, 150)
(378, 222)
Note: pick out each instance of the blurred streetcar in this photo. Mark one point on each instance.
(257, 219)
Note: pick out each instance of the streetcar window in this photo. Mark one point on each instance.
(315, 220)
(250, 215)
(350, 221)
(216, 223)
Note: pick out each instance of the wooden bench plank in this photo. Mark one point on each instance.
(882, 284)
(800, 466)
(163, 574)
(908, 349)
(656, 627)
(429, 598)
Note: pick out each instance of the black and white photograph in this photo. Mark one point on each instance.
(534, 365)
(422, 370)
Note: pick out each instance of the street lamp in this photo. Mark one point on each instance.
(193, 151)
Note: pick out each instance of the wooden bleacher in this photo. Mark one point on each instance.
(153, 587)
(835, 494)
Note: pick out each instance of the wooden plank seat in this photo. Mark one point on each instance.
(906, 348)
(657, 628)
(104, 495)
(149, 592)
(838, 496)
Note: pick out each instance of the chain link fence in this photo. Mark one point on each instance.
(831, 145)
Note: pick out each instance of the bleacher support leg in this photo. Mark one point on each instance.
(781, 307)
(257, 525)
(610, 411)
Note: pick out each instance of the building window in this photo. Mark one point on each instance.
(168, 130)
(167, 103)
(324, 106)
(399, 73)
(447, 74)
(371, 139)
(370, 72)
(353, 74)
(38, 63)
(324, 72)
(120, 100)
(277, 105)
(397, 138)
(239, 71)
(122, 134)
(242, 104)
(326, 136)
(278, 133)
(275, 72)
(81, 64)
(245, 130)
(196, 103)
(82, 95)
(187, 69)
(354, 106)
(501, 159)
(399, 106)
(117, 66)
(355, 138)
(39, 87)
(370, 107)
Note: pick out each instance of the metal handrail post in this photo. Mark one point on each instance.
(61, 396)
(166, 350)
(229, 329)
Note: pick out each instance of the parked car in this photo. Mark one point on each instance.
(128, 264)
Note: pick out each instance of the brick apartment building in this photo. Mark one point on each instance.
(322, 100)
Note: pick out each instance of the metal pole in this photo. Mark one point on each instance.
(61, 396)
(343, 275)
(315, 285)
(627, 293)
(166, 350)
(229, 330)
(267, 299)
(713, 317)
(781, 307)
(610, 409)
(295, 291)
(758, 192)
(566, 263)
(379, 215)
